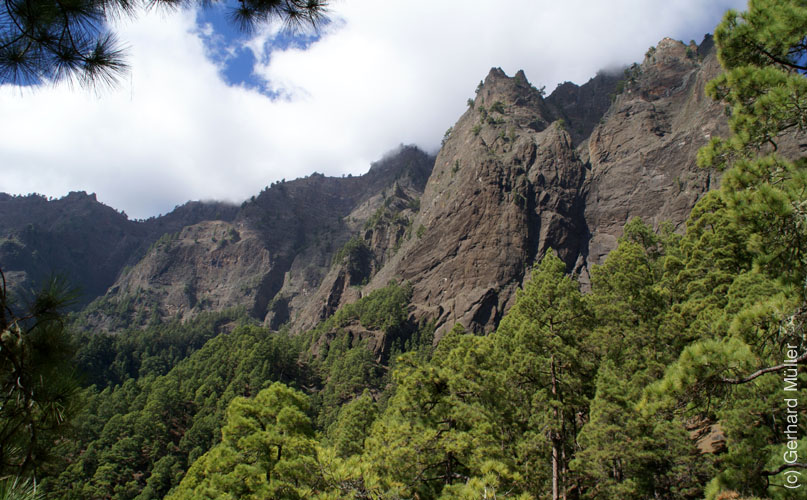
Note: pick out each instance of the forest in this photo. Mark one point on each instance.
(678, 375)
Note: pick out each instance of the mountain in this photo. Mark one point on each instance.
(518, 174)
(85, 241)
(269, 258)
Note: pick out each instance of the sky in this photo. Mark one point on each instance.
(208, 113)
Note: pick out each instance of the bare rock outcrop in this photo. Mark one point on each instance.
(505, 188)
(642, 155)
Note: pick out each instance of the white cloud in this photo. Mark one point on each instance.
(384, 73)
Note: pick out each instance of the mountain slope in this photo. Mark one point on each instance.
(269, 258)
(81, 239)
(518, 174)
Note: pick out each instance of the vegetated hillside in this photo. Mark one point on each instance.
(82, 240)
(269, 258)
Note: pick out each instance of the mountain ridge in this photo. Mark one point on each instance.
(518, 174)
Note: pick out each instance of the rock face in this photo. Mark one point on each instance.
(212, 265)
(642, 156)
(584, 106)
(505, 188)
(272, 258)
(81, 239)
(518, 174)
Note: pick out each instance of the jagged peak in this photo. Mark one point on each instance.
(520, 77)
(516, 90)
(498, 78)
(495, 73)
(79, 195)
(669, 50)
(707, 45)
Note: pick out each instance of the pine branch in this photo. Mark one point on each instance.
(783, 467)
(800, 360)
(776, 59)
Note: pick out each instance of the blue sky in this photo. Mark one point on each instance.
(207, 112)
(227, 45)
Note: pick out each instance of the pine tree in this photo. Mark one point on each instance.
(548, 368)
(436, 430)
(763, 54)
(267, 451)
(39, 392)
(744, 267)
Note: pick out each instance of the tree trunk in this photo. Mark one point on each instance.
(554, 435)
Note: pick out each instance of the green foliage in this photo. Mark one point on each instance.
(267, 450)
(763, 53)
(20, 489)
(354, 247)
(550, 366)
(345, 364)
(349, 372)
(383, 309)
(446, 136)
(425, 439)
(137, 439)
(53, 40)
(626, 454)
(497, 107)
(385, 216)
(741, 277)
(106, 360)
(357, 257)
(163, 241)
(630, 75)
(38, 389)
(468, 420)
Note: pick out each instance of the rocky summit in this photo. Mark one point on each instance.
(518, 174)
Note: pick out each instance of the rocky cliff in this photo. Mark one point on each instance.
(642, 156)
(84, 241)
(518, 174)
(271, 258)
(506, 187)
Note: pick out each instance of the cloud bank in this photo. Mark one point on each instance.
(381, 74)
